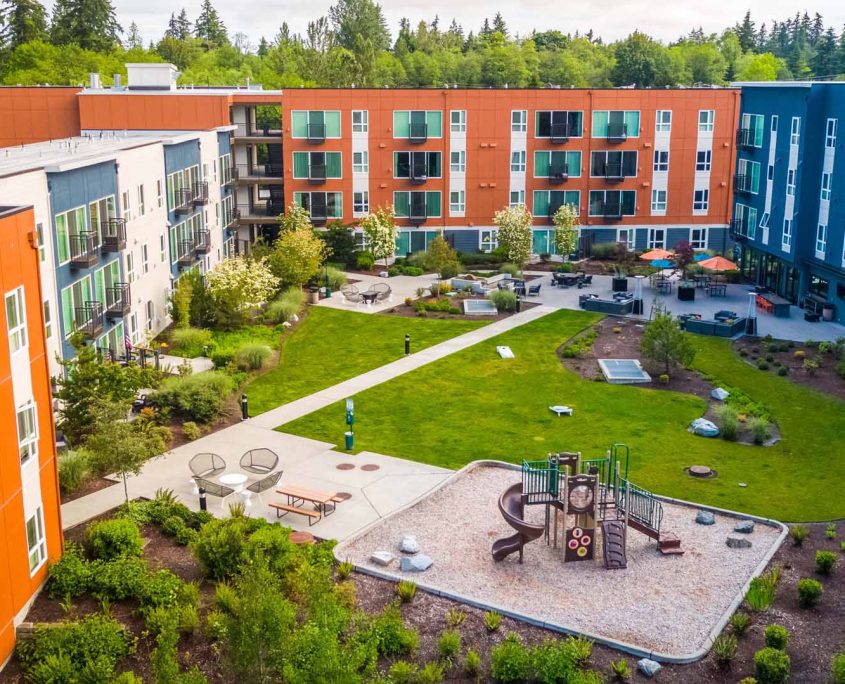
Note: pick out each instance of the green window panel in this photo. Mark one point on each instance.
(62, 244)
(752, 222)
(67, 310)
(434, 119)
(332, 121)
(541, 164)
(299, 124)
(333, 165)
(334, 204)
(173, 250)
(401, 124)
(300, 164)
(754, 172)
(540, 242)
(297, 199)
(600, 124)
(629, 202)
(432, 204)
(402, 204)
(573, 164)
(541, 203)
(632, 119)
(403, 242)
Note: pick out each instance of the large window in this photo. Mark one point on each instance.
(703, 160)
(615, 123)
(613, 202)
(517, 197)
(16, 319)
(75, 296)
(317, 164)
(547, 202)
(69, 225)
(315, 124)
(27, 431)
(550, 163)
(406, 123)
(416, 165)
(656, 238)
(698, 238)
(488, 240)
(36, 541)
(405, 206)
(558, 124)
(360, 203)
(321, 205)
(745, 219)
(749, 173)
(700, 200)
(754, 124)
(613, 164)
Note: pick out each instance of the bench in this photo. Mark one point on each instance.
(295, 509)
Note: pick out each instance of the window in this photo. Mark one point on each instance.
(656, 238)
(774, 123)
(16, 320)
(557, 164)
(790, 182)
(48, 320)
(519, 121)
(753, 124)
(418, 124)
(613, 164)
(821, 241)
(745, 221)
(764, 220)
(706, 118)
(701, 200)
(417, 204)
(360, 162)
(547, 202)
(159, 193)
(68, 225)
(162, 249)
(315, 124)
(616, 124)
(658, 201)
(145, 258)
(613, 203)
(27, 431)
(127, 213)
(320, 205)
(703, 160)
(360, 121)
(558, 124)
(130, 267)
(786, 238)
(39, 232)
(488, 240)
(458, 120)
(770, 172)
(420, 165)
(517, 197)
(318, 165)
(151, 309)
(698, 238)
(661, 160)
(361, 202)
(663, 121)
(830, 134)
(141, 200)
(748, 176)
(35, 541)
(457, 202)
(625, 236)
(826, 182)
(518, 161)
(795, 133)
(458, 161)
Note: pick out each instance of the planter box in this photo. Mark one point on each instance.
(620, 284)
(686, 294)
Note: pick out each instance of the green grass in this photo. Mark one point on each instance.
(229, 341)
(474, 405)
(331, 346)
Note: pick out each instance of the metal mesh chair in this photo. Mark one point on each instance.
(213, 488)
(264, 484)
(382, 290)
(261, 461)
(351, 294)
(207, 465)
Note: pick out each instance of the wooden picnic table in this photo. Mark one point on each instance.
(324, 502)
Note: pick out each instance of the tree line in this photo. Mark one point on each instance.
(352, 45)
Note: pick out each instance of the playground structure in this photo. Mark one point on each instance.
(592, 493)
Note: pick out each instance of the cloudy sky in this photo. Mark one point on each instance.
(609, 18)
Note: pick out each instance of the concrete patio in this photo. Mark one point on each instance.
(401, 287)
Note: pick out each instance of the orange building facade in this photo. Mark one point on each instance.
(30, 524)
(36, 114)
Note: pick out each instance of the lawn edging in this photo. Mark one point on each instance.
(620, 645)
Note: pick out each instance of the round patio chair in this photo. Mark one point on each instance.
(206, 465)
(351, 294)
(382, 290)
(261, 461)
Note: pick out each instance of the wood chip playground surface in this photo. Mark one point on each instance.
(668, 606)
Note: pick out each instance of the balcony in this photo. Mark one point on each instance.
(118, 300)
(417, 132)
(418, 173)
(184, 201)
(261, 212)
(739, 228)
(89, 318)
(232, 175)
(613, 172)
(202, 243)
(558, 173)
(230, 217)
(742, 184)
(113, 231)
(199, 193)
(317, 174)
(611, 211)
(316, 133)
(187, 252)
(249, 130)
(259, 173)
(558, 133)
(418, 214)
(744, 138)
(84, 249)
(617, 132)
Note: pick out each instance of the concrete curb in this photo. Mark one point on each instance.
(682, 659)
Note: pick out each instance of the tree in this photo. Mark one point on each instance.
(499, 25)
(179, 27)
(133, 37)
(299, 253)
(684, 256)
(440, 258)
(380, 229)
(90, 24)
(566, 221)
(353, 18)
(665, 343)
(644, 62)
(239, 286)
(765, 67)
(209, 28)
(515, 233)
(745, 33)
(21, 21)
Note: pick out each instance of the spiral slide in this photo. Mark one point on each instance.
(512, 509)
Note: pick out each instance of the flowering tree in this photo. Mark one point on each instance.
(565, 221)
(380, 229)
(298, 255)
(238, 286)
(514, 224)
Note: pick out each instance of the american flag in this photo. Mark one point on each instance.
(127, 341)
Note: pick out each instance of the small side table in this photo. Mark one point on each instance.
(234, 480)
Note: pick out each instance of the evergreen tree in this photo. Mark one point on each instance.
(825, 62)
(499, 25)
(745, 33)
(90, 24)
(209, 28)
(133, 37)
(178, 27)
(263, 47)
(353, 18)
(816, 30)
(21, 21)
(485, 28)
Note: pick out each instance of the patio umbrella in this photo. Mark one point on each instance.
(661, 263)
(656, 254)
(718, 263)
(704, 256)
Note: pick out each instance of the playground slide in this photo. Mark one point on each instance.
(511, 507)
(613, 536)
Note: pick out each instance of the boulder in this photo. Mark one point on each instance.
(719, 394)
(704, 428)
(649, 667)
(744, 527)
(737, 543)
(382, 557)
(418, 563)
(409, 544)
(705, 518)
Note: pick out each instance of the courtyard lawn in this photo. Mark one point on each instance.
(474, 405)
(331, 346)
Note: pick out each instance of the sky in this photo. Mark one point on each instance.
(611, 19)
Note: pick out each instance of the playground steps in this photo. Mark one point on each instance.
(669, 545)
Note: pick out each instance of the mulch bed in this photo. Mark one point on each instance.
(409, 312)
(95, 484)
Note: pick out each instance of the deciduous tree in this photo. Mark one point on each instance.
(515, 234)
(566, 222)
(380, 229)
(239, 286)
(298, 253)
(665, 343)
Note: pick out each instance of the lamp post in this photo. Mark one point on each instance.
(328, 285)
(407, 344)
(638, 295)
(751, 318)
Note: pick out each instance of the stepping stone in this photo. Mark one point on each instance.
(418, 563)
(369, 467)
(744, 527)
(705, 518)
(409, 544)
(382, 557)
(345, 466)
(737, 543)
(649, 667)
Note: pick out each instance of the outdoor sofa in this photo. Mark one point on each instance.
(718, 328)
(615, 307)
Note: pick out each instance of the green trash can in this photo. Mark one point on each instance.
(350, 440)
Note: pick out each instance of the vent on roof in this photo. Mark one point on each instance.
(151, 76)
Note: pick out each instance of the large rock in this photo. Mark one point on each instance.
(382, 557)
(649, 667)
(704, 428)
(409, 544)
(737, 543)
(719, 394)
(744, 527)
(418, 563)
(705, 518)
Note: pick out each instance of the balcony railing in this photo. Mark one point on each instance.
(245, 171)
(184, 201)
(243, 130)
(740, 227)
(317, 174)
(200, 192)
(558, 173)
(617, 132)
(558, 133)
(742, 184)
(316, 133)
(418, 213)
(418, 172)
(202, 243)
(269, 210)
(612, 211)
(84, 249)
(118, 300)
(744, 138)
(89, 318)
(187, 252)
(114, 234)
(417, 132)
(230, 217)
(613, 172)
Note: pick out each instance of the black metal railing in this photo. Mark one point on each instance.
(246, 171)
(613, 172)
(316, 174)
(742, 183)
(118, 300)
(230, 217)
(418, 211)
(316, 133)
(113, 231)
(419, 171)
(184, 201)
(611, 210)
(89, 318)
(417, 132)
(243, 130)
(744, 138)
(202, 241)
(269, 210)
(739, 227)
(199, 192)
(558, 133)
(187, 252)
(558, 173)
(617, 132)
(84, 249)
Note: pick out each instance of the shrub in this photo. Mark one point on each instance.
(728, 422)
(842, 547)
(431, 673)
(74, 470)
(175, 527)
(191, 430)
(250, 357)
(771, 666)
(509, 660)
(770, 358)
(196, 397)
(761, 594)
(762, 365)
(826, 347)
(578, 650)
(799, 353)
(511, 269)
(830, 531)
(825, 561)
(811, 366)
(365, 261)
(798, 533)
(403, 672)
(71, 575)
(664, 378)
(603, 250)
(449, 645)
(215, 625)
(472, 662)
(220, 545)
(344, 570)
(286, 306)
(776, 636)
(840, 369)
(391, 635)
(336, 277)
(406, 591)
(620, 669)
(118, 579)
(503, 300)
(492, 620)
(164, 588)
(449, 270)
(740, 622)
(809, 593)
(113, 538)
(837, 668)
(748, 680)
(455, 617)
(783, 371)
(760, 429)
(724, 649)
(190, 342)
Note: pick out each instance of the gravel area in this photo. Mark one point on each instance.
(664, 604)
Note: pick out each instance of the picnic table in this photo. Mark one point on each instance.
(323, 503)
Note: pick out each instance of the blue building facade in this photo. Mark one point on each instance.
(182, 162)
(789, 193)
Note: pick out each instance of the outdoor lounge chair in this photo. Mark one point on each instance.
(351, 294)
(264, 484)
(207, 465)
(586, 281)
(383, 292)
(213, 488)
(260, 461)
(534, 290)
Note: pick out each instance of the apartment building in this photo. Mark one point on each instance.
(30, 525)
(787, 220)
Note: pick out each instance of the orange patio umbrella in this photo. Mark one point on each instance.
(718, 263)
(656, 254)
